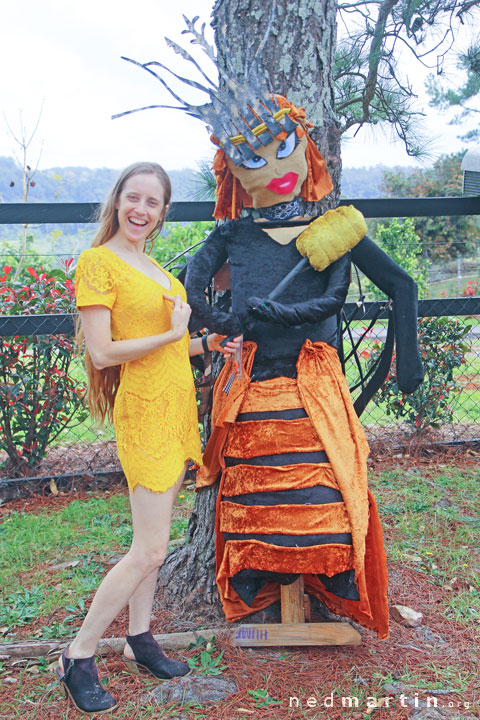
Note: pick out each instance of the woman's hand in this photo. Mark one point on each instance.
(181, 312)
(231, 346)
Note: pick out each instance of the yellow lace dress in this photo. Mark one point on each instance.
(155, 413)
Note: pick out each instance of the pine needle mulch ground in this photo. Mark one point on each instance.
(430, 511)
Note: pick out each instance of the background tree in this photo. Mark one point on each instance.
(23, 140)
(343, 84)
(442, 237)
(462, 98)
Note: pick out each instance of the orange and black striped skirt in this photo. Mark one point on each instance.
(280, 511)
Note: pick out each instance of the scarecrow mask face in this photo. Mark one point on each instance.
(275, 173)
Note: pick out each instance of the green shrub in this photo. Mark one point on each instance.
(400, 241)
(442, 347)
(179, 238)
(38, 396)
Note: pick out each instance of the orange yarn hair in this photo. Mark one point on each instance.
(231, 197)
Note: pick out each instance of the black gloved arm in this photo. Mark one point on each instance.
(398, 285)
(309, 311)
(200, 270)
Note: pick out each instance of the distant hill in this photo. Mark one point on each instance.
(68, 184)
(363, 182)
(75, 184)
(80, 184)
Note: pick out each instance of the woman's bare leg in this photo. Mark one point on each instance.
(141, 602)
(151, 513)
(140, 605)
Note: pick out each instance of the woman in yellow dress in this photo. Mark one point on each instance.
(134, 317)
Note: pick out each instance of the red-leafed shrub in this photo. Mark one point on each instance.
(38, 395)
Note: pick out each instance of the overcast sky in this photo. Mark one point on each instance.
(66, 54)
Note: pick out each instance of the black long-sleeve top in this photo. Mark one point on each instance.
(257, 264)
(307, 308)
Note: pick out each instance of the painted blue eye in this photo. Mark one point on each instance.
(288, 145)
(254, 162)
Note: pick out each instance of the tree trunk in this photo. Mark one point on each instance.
(186, 580)
(298, 59)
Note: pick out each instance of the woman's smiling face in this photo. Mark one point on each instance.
(140, 206)
(276, 173)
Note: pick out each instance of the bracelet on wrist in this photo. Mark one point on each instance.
(205, 343)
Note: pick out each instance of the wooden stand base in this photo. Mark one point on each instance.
(292, 602)
(334, 633)
(293, 630)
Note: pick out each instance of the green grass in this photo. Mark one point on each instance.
(85, 431)
(432, 523)
(82, 535)
(56, 559)
(449, 286)
(60, 536)
(431, 519)
(438, 677)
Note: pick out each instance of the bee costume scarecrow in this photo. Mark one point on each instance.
(286, 441)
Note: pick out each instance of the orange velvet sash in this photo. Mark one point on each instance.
(323, 392)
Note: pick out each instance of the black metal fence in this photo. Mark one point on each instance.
(446, 407)
(77, 448)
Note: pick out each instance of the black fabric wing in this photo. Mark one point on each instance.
(398, 285)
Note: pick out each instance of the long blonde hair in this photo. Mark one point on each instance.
(103, 384)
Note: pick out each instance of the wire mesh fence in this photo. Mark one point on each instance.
(446, 406)
(46, 431)
(46, 428)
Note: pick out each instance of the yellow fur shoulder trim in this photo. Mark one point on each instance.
(332, 235)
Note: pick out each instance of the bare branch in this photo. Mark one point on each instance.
(349, 103)
(350, 74)
(19, 142)
(36, 125)
(356, 5)
(375, 52)
(467, 7)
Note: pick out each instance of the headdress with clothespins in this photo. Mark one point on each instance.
(242, 115)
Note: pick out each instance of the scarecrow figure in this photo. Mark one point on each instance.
(286, 442)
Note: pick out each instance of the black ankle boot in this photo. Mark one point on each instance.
(79, 680)
(149, 656)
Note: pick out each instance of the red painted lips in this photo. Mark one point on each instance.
(283, 185)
